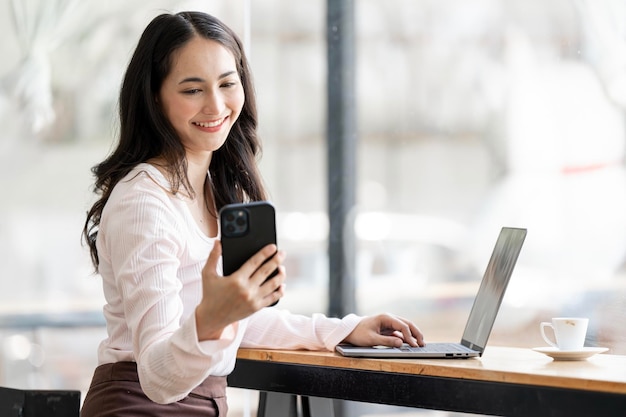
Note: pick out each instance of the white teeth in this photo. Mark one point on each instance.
(210, 124)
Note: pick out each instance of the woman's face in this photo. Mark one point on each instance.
(202, 96)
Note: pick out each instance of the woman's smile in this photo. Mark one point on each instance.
(212, 126)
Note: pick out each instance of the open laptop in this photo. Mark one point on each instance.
(481, 318)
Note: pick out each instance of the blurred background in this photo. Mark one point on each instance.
(471, 115)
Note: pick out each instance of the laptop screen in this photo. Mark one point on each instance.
(492, 288)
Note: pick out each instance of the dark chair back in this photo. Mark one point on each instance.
(38, 403)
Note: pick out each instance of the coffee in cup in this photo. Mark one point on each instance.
(570, 332)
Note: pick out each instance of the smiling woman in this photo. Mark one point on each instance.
(187, 147)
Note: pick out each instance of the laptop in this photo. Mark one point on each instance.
(482, 315)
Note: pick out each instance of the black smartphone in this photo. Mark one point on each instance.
(245, 229)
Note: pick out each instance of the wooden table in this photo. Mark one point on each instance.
(505, 381)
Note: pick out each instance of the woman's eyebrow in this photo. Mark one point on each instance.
(201, 80)
(226, 74)
(191, 80)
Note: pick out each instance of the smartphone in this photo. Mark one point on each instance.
(245, 229)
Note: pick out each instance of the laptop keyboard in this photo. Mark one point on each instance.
(436, 347)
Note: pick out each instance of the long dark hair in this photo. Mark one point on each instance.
(146, 133)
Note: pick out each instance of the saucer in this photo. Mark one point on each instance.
(570, 355)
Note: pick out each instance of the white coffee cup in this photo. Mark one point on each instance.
(570, 332)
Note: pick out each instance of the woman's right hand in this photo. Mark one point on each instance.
(226, 300)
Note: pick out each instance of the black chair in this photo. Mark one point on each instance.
(39, 403)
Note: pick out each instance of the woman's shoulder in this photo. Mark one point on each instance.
(143, 195)
(145, 172)
(144, 177)
(143, 183)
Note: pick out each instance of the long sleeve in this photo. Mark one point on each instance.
(276, 328)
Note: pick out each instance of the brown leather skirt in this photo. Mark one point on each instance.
(115, 392)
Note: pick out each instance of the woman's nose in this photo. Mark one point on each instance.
(213, 104)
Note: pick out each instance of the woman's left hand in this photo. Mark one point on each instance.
(385, 330)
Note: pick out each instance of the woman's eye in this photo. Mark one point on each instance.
(192, 91)
(229, 84)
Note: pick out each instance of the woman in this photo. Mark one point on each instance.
(188, 146)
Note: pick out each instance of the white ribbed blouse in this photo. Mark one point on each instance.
(151, 255)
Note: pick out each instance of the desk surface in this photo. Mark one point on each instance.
(512, 382)
(602, 372)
